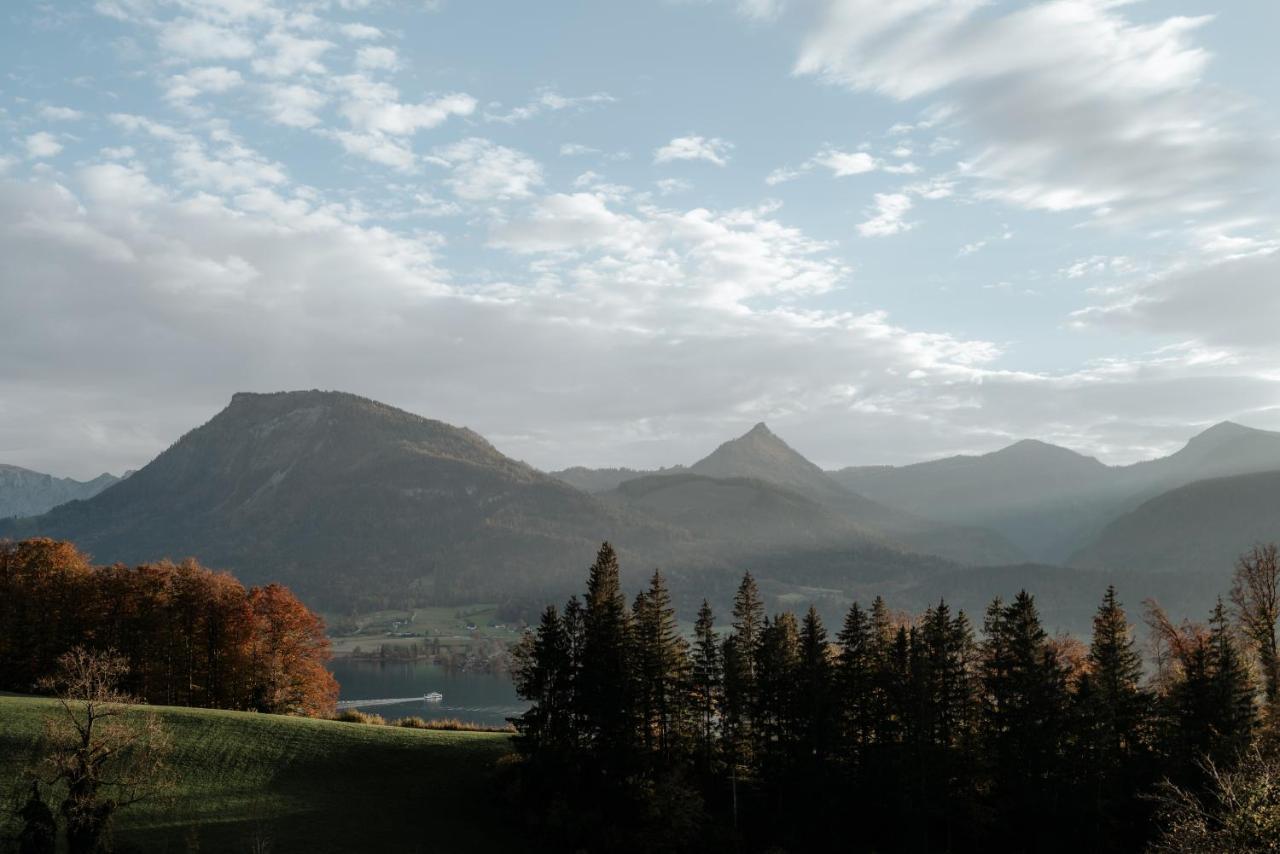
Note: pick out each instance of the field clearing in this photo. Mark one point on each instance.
(298, 784)
(447, 625)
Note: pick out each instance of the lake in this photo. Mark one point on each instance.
(394, 689)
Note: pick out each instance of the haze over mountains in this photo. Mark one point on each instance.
(29, 493)
(355, 503)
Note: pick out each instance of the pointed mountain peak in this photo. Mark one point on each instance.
(1223, 431)
(762, 455)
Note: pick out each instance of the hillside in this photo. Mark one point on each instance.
(1051, 501)
(29, 493)
(1200, 527)
(347, 500)
(303, 785)
(601, 480)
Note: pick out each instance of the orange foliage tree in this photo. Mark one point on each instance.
(191, 636)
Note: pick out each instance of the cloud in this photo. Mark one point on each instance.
(197, 40)
(888, 216)
(482, 170)
(375, 107)
(713, 150)
(844, 163)
(293, 105)
(761, 10)
(548, 100)
(1229, 304)
(1078, 106)
(574, 149)
(292, 55)
(60, 114)
(42, 145)
(360, 32)
(215, 79)
(376, 58)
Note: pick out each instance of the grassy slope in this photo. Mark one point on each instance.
(307, 785)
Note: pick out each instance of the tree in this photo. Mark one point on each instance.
(854, 673)
(740, 681)
(1239, 812)
(813, 689)
(605, 688)
(1115, 672)
(708, 680)
(101, 755)
(541, 673)
(1232, 689)
(662, 668)
(1255, 593)
(290, 648)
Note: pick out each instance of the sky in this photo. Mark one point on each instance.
(620, 233)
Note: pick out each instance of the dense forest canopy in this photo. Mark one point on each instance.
(191, 636)
(925, 733)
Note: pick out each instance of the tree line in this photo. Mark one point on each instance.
(191, 636)
(896, 734)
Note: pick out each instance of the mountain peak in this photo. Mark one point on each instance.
(761, 454)
(1223, 431)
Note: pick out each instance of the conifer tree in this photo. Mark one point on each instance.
(662, 668)
(814, 688)
(1232, 689)
(1117, 703)
(740, 682)
(854, 675)
(605, 688)
(777, 669)
(541, 676)
(708, 681)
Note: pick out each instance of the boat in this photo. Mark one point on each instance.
(433, 697)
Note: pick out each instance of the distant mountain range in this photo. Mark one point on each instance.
(357, 504)
(29, 493)
(1050, 501)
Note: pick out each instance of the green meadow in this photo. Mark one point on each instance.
(249, 782)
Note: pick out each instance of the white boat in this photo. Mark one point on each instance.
(433, 697)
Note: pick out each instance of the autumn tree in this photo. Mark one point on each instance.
(99, 754)
(1255, 593)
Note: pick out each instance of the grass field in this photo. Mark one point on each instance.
(303, 785)
(447, 625)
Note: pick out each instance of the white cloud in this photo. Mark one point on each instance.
(575, 149)
(60, 114)
(42, 145)
(549, 100)
(214, 79)
(761, 10)
(197, 40)
(375, 58)
(713, 150)
(845, 163)
(374, 107)
(671, 186)
(360, 32)
(293, 105)
(292, 55)
(888, 216)
(485, 171)
(377, 148)
(1080, 107)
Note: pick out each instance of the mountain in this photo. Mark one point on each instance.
(1051, 501)
(348, 500)
(1200, 527)
(761, 457)
(602, 480)
(29, 493)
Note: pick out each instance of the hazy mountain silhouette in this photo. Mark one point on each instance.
(343, 497)
(1200, 527)
(1051, 501)
(29, 493)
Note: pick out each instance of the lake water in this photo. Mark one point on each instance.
(394, 689)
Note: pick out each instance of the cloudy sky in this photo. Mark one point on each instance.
(619, 233)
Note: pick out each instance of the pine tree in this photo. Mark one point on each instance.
(605, 679)
(814, 689)
(740, 682)
(661, 660)
(1232, 689)
(854, 676)
(1117, 704)
(777, 668)
(708, 681)
(541, 675)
